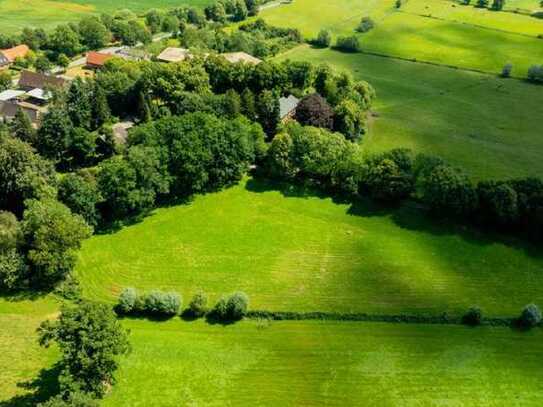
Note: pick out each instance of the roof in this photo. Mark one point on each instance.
(98, 58)
(39, 94)
(120, 131)
(34, 80)
(172, 54)
(235, 57)
(19, 51)
(287, 105)
(10, 94)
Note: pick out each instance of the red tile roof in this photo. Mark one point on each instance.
(19, 51)
(97, 58)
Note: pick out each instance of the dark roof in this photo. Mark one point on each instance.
(31, 79)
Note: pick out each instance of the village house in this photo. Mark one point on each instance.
(172, 54)
(235, 57)
(287, 107)
(96, 60)
(8, 56)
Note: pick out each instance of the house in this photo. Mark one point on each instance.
(8, 56)
(8, 110)
(96, 60)
(235, 57)
(172, 54)
(10, 94)
(31, 80)
(287, 107)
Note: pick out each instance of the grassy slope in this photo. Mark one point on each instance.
(486, 125)
(20, 356)
(308, 253)
(312, 363)
(48, 13)
(453, 41)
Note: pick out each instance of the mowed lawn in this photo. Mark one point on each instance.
(334, 364)
(486, 125)
(303, 253)
(46, 14)
(25, 365)
(456, 38)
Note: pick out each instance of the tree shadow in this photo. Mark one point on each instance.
(41, 388)
(23, 295)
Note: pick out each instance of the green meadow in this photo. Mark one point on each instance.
(47, 14)
(334, 364)
(481, 123)
(291, 250)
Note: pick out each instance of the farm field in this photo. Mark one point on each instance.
(405, 34)
(458, 115)
(26, 367)
(47, 14)
(307, 253)
(313, 363)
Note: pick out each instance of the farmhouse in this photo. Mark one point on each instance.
(172, 54)
(287, 107)
(235, 57)
(33, 80)
(96, 60)
(8, 56)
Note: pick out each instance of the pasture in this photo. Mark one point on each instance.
(291, 250)
(469, 119)
(47, 14)
(334, 364)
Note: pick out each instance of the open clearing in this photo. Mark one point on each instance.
(46, 14)
(340, 364)
(303, 253)
(481, 123)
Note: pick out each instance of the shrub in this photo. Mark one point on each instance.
(507, 69)
(348, 44)
(198, 305)
(473, 317)
(237, 306)
(127, 300)
(324, 39)
(220, 310)
(385, 181)
(366, 24)
(530, 316)
(160, 303)
(535, 73)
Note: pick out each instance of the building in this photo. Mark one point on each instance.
(33, 80)
(8, 56)
(8, 110)
(235, 57)
(96, 60)
(287, 107)
(172, 54)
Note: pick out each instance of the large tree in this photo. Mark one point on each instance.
(314, 110)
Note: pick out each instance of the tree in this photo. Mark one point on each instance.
(170, 24)
(507, 69)
(63, 61)
(12, 267)
(324, 39)
(23, 175)
(248, 104)
(240, 11)
(79, 103)
(74, 399)
(43, 64)
(366, 24)
(52, 236)
(101, 114)
(530, 316)
(535, 73)
(252, 7)
(5, 81)
(198, 305)
(160, 303)
(64, 40)
(54, 134)
(349, 119)
(90, 340)
(473, 317)
(498, 203)
(313, 110)
(498, 5)
(237, 306)
(449, 192)
(128, 300)
(348, 44)
(153, 20)
(79, 192)
(216, 12)
(482, 3)
(21, 127)
(94, 34)
(387, 182)
(268, 113)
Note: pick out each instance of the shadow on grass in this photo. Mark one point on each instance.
(41, 388)
(409, 216)
(23, 295)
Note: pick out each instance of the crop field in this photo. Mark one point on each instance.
(25, 366)
(427, 31)
(467, 118)
(312, 363)
(46, 14)
(302, 253)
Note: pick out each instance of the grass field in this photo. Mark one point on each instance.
(307, 253)
(471, 120)
(339, 364)
(21, 358)
(460, 36)
(16, 15)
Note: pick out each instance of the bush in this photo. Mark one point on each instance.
(530, 316)
(366, 24)
(535, 73)
(348, 44)
(324, 39)
(198, 305)
(507, 69)
(161, 303)
(473, 317)
(237, 306)
(128, 300)
(220, 310)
